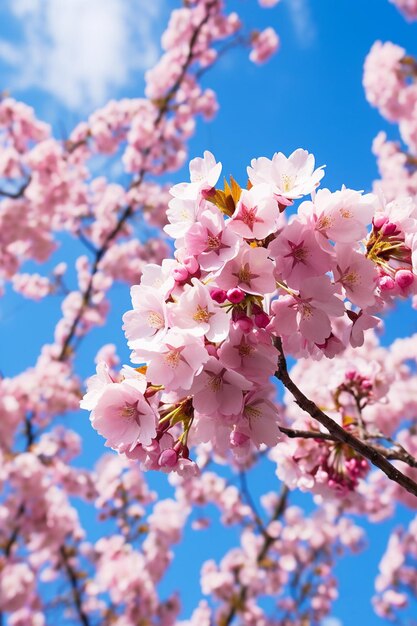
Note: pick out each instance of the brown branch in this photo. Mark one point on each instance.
(75, 589)
(15, 533)
(306, 434)
(239, 601)
(396, 455)
(340, 434)
(128, 211)
(249, 501)
(400, 454)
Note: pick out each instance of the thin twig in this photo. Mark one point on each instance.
(239, 601)
(342, 435)
(75, 590)
(306, 434)
(128, 211)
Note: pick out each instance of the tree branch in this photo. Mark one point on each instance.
(128, 211)
(75, 589)
(340, 434)
(239, 601)
(306, 434)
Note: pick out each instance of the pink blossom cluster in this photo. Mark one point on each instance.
(397, 578)
(303, 549)
(277, 259)
(390, 85)
(407, 7)
(50, 189)
(203, 325)
(49, 182)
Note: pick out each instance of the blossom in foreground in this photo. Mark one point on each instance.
(203, 326)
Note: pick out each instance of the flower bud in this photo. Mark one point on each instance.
(386, 283)
(168, 458)
(389, 228)
(235, 295)
(180, 274)
(261, 320)
(404, 278)
(219, 295)
(238, 439)
(378, 221)
(191, 264)
(244, 323)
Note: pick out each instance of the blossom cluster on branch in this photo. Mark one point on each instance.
(275, 266)
(390, 85)
(204, 325)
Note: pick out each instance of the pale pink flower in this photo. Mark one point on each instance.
(175, 362)
(204, 174)
(251, 354)
(147, 322)
(361, 323)
(291, 177)
(297, 254)
(341, 216)
(259, 419)
(408, 7)
(264, 45)
(383, 80)
(96, 385)
(218, 390)
(256, 214)
(309, 312)
(197, 313)
(182, 214)
(159, 277)
(17, 583)
(251, 270)
(211, 241)
(357, 274)
(123, 416)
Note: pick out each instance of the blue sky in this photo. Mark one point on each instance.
(65, 57)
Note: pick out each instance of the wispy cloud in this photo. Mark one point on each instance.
(80, 51)
(302, 20)
(331, 621)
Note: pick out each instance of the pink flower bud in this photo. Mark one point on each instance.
(238, 439)
(404, 278)
(244, 323)
(211, 350)
(350, 374)
(180, 274)
(379, 221)
(261, 320)
(389, 228)
(235, 295)
(168, 458)
(191, 264)
(219, 295)
(386, 283)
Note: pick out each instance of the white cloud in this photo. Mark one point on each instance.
(300, 14)
(9, 53)
(81, 51)
(331, 621)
